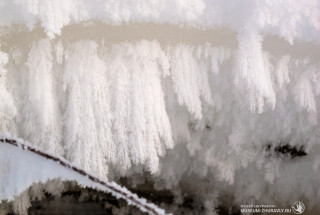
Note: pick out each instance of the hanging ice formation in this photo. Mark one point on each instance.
(182, 90)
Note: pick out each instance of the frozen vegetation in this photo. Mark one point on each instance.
(214, 98)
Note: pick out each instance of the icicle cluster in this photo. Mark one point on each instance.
(7, 108)
(183, 108)
(125, 104)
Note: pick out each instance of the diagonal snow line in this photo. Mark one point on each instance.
(110, 187)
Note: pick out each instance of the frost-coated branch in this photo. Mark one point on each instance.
(109, 187)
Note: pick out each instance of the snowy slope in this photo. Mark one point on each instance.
(23, 165)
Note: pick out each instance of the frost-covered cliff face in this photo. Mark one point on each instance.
(215, 98)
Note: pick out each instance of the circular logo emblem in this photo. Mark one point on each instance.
(298, 207)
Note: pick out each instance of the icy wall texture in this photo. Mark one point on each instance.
(281, 17)
(184, 110)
